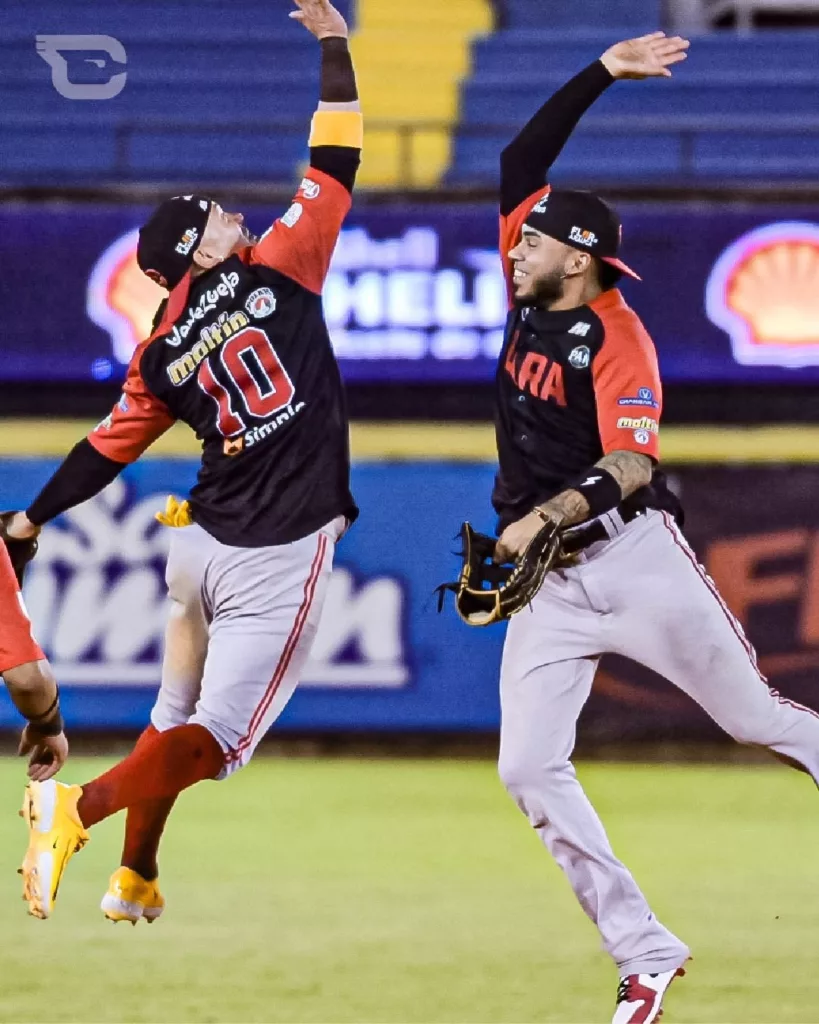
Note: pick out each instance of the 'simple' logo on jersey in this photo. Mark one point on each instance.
(261, 303)
(580, 357)
(120, 298)
(764, 293)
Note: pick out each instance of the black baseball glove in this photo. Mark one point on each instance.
(487, 593)
(20, 552)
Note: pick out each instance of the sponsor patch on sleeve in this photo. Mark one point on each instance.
(644, 396)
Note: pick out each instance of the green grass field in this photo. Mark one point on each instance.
(391, 891)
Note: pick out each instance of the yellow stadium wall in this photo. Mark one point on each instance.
(410, 60)
(465, 442)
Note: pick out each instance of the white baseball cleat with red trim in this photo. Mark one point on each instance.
(640, 997)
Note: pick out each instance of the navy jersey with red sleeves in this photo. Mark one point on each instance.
(243, 356)
(572, 385)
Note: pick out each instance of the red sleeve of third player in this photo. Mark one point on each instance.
(510, 228)
(17, 643)
(627, 386)
(135, 422)
(300, 243)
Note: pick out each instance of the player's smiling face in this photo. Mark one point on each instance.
(541, 267)
(224, 234)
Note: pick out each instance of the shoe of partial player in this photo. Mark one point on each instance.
(132, 898)
(55, 834)
(640, 997)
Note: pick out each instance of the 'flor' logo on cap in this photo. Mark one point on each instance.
(764, 293)
(187, 241)
(583, 237)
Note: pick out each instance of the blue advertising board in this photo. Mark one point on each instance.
(415, 293)
(383, 658)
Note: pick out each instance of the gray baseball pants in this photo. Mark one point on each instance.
(641, 594)
(241, 627)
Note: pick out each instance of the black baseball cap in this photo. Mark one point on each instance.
(583, 221)
(171, 236)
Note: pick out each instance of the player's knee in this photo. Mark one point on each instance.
(529, 779)
(760, 729)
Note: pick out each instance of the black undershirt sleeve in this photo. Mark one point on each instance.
(338, 85)
(83, 474)
(526, 161)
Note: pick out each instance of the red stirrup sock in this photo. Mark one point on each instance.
(144, 827)
(143, 831)
(159, 767)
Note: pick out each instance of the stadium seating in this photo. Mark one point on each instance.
(207, 97)
(742, 108)
(212, 97)
(410, 60)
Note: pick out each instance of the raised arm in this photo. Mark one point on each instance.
(300, 244)
(526, 161)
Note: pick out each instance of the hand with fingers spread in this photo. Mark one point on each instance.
(648, 56)
(320, 18)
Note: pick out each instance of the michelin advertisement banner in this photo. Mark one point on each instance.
(384, 659)
(416, 293)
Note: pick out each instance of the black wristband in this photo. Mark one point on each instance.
(600, 489)
(51, 727)
(50, 722)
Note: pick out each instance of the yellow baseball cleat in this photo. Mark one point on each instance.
(131, 898)
(55, 834)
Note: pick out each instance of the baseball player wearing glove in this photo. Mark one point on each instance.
(23, 666)
(578, 404)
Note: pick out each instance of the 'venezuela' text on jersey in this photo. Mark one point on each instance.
(242, 355)
(572, 386)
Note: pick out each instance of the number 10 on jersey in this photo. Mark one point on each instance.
(262, 385)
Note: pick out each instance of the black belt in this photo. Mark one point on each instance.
(581, 537)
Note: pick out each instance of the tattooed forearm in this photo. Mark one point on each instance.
(631, 470)
(567, 508)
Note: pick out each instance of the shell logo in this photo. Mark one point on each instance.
(764, 293)
(120, 298)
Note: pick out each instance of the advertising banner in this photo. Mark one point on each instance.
(384, 659)
(416, 294)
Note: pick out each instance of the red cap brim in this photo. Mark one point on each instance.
(622, 267)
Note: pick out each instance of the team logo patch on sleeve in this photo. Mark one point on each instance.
(580, 357)
(261, 303)
(293, 215)
(310, 189)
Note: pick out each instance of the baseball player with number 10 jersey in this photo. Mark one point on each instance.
(579, 401)
(241, 354)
